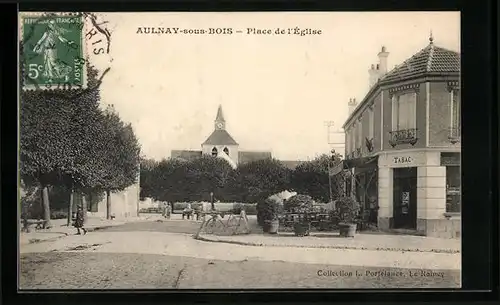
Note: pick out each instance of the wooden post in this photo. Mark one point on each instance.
(108, 204)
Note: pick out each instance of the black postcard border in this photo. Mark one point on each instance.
(480, 157)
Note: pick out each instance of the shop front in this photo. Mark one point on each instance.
(416, 191)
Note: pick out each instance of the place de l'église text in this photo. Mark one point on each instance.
(296, 31)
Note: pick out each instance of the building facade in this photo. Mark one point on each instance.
(403, 144)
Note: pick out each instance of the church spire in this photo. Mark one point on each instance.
(220, 122)
(220, 115)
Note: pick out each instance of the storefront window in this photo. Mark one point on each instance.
(453, 189)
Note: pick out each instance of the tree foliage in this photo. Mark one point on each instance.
(311, 178)
(255, 181)
(120, 154)
(147, 167)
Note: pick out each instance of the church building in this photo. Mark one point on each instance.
(221, 144)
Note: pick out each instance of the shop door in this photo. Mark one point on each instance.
(405, 198)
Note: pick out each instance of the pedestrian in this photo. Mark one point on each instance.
(197, 211)
(79, 221)
(168, 210)
(164, 209)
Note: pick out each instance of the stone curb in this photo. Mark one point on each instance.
(242, 243)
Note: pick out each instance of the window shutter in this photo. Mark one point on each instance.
(370, 123)
(455, 109)
(395, 110)
(413, 110)
(360, 134)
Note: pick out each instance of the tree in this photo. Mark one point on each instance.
(167, 181)
(44, 145)
(62, 138)
(311, 178)
(257, 180)
(119, 156)
(147, 169)
(206, 175)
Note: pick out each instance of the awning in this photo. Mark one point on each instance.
(365, 162)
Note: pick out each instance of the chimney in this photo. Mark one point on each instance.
(351, 105)
(373, 76)
(382, 58)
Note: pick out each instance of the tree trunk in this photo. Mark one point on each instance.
(108, 205)
(84, 207)
(46, 207)
(70, 207)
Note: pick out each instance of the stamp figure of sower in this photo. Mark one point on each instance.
(53, 52)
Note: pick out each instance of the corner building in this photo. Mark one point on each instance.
(403, 144)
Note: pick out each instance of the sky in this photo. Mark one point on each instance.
(276, 91)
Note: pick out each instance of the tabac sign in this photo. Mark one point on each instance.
(403, 160)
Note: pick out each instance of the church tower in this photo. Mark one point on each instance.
(220, 143)
(220, 123)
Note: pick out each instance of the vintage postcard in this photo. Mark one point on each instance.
(237, 150)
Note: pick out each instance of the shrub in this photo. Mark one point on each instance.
(180, 206)
(197, 206)
(269, 209)
(347, 209)
(224, 206)
(299, 203)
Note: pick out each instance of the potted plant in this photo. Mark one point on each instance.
(271, 222)
(302, 228)
(348, 211)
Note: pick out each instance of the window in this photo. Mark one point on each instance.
(455, 109)
(353, 136)
(214, 152)
(404, 111)
(226, 150)
(371, 121)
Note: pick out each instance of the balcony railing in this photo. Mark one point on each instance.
(454, 134)
(405, 136)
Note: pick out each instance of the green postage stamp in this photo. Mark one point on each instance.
(52, 51)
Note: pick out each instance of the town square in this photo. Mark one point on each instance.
(292, 150)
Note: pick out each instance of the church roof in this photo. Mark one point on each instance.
(429, 60)
(220, 137)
